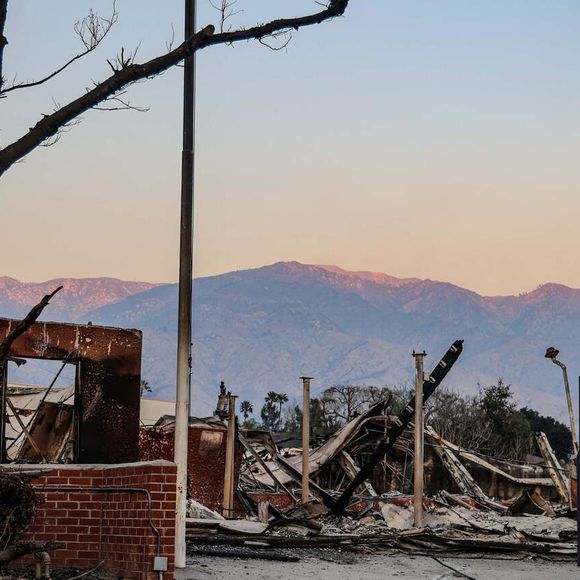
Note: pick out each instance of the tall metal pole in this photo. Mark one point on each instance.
(185, 277)
(306, 439)
(569, 402)
(229, 471)
(419, 439)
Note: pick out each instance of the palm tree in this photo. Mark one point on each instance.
(281, 398)
(246, 408)
(269, 412)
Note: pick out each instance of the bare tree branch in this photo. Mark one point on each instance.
(92, 30)
(49, 125)
(121, 104)
(226, 10)
(286, 35)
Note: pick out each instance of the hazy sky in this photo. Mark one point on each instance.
(428, 138)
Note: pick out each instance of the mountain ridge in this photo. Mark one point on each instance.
(78, 296)
(259, 329)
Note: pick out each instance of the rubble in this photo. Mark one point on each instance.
(459, 516)
(445, 529)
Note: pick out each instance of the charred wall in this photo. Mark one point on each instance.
(206, 461)
(108, 390)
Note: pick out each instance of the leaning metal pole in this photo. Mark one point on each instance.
(185, 277)
(384, 447)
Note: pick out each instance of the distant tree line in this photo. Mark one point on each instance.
(489, 422)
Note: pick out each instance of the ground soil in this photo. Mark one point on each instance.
(332, 564)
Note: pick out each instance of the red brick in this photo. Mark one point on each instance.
(56, 480)
(88, 481)
(89, 554)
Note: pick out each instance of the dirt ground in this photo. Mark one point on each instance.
(337, 565)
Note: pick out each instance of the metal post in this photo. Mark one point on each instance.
(306, 439)
(437, 375)
(419, 438)
(185, 277)
(569, 402)
(228, 496)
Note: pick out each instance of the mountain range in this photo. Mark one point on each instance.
(261, 329)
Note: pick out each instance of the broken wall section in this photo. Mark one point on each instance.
(206, 459)
(108, 391)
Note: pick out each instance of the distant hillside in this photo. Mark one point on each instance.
(261, 329)
(78, 296)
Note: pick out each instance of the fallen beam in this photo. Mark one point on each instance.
(429, 386)
(248, 446)
(460, 475)
(350, 467)
(554, 468)
(542, 481)
(317, 491)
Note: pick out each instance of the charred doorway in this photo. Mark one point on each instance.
(40, 411)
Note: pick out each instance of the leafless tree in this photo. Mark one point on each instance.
(345, 402)
(458, 418)
(126, 71)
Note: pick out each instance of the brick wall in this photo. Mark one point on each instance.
(107, 525)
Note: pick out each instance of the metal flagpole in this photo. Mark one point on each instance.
(185, 277)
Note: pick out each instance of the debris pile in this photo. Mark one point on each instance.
(533, 516)
(268, 476)
(446, 529)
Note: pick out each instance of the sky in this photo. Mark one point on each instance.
(421, 138)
